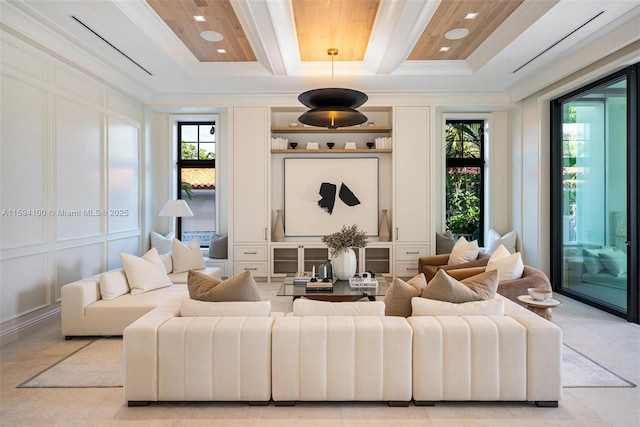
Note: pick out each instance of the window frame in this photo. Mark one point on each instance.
(192, 163)
(473, 162)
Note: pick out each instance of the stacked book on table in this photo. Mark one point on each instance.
(301, 278)
(305, 278)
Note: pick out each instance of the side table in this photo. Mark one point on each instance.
(541, 308)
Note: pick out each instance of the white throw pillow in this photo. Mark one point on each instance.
(307, 307)
(495, 239)
(186, 257)
(463, 251)
(194, 308)
(167, 262)
(113, 284)
(145, 273)
(509, 266)
(429, 307)
(161, 243)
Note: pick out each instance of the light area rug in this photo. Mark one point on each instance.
(579, 371)
(100, 364)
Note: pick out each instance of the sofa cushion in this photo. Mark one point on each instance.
(194, 308)
(430, 307)
(113, 284)
(186, 257)
(218, 247)
(162, 243)
(475, 288)
(397, 300)
(509, 266)
(463, 251)
(614, 261)
(444, 243)
(167, 262)
(307, 307)
(144, 273)
(204, 287)
(495, 239)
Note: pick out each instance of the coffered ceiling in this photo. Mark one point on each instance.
(280, 46)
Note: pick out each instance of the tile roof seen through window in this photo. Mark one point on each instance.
(200, 179)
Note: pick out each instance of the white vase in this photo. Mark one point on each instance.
(344, 264)
(278, 232)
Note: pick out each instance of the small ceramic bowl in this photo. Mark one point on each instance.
(540, 294)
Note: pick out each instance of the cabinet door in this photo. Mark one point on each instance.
(250, 145)
(411, 153)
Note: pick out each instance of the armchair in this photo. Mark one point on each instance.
(429, 265)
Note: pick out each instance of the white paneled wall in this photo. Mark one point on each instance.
(71, 194)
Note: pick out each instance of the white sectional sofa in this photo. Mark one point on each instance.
(86, 313)
(361, 357)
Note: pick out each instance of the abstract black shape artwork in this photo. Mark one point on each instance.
(328, 193)
(347, 196)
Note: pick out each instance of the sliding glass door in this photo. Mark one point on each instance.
(593, 201)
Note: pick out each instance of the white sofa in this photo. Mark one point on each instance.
(85, 313)
(511, 357)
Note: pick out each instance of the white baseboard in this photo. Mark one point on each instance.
(29, 326)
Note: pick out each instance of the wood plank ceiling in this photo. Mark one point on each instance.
(321, 24)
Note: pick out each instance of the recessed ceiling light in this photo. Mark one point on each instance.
(457, 33)
(212, 36)
(470, 16)
(199, 18)
(221, 50)
(444, 48)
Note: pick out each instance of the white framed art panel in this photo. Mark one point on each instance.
(303, 180)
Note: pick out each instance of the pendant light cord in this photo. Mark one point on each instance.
(332, 52)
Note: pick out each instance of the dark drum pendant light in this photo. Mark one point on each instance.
(332, 107)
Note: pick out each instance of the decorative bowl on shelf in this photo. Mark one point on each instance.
(330, 145)
(293, 124)
(370, 145)
(293, 145)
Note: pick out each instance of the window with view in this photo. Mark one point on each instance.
(197, 180)
(464, 141)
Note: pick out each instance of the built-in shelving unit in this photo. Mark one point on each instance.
(332, 151)
(313, 129)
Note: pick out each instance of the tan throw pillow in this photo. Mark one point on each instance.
(475, 288)
(463, 251)
(186, 257)
(203, 287)
(145, 273)
(397, 300)
(484, 284)
(509, 266)
(445, 288)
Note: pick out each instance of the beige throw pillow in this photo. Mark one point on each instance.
(145, 273)
(113, 284)
(463, 251)
(397, 300)
(475, 288)
(509, 266)
(204, 287)
(186, 257)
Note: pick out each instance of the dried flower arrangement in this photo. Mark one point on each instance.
(347, 237)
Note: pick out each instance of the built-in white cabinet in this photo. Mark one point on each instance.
(250, 196)
(291, 258)
(412, 215)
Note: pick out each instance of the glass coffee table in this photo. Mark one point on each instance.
(341, 291)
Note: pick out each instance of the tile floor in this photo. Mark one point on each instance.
(610, 341)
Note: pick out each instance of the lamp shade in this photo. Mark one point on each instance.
(175, 208)
(332, 117)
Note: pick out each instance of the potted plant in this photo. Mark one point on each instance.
(341, 243)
